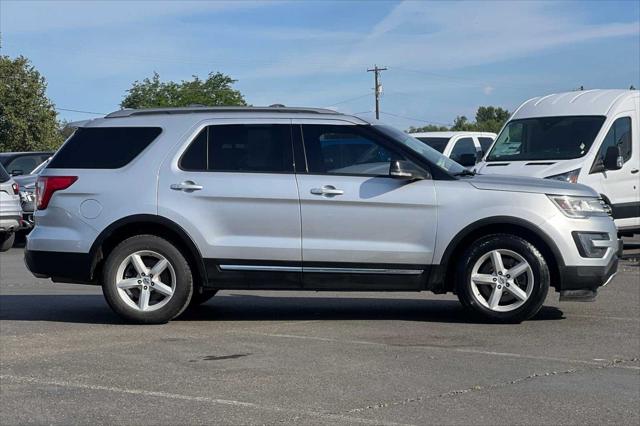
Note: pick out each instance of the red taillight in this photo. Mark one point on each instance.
(47, 185)
(16, 188)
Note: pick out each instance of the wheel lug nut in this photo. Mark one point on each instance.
(145, 287)
(507, 284)
(499, 273)
(139, 281)
(151, 284)
(499, 287)
(495, 279)
(508, 276)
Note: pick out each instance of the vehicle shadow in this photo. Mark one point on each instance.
(92, 309)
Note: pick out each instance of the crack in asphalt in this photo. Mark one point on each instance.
(610, 364)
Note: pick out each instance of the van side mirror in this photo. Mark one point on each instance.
(612, 159)
(467, 160)
(400, 169)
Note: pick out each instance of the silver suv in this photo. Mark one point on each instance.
(164, 207)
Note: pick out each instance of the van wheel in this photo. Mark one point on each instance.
(200, 298)
(503, 277)
(147, 280)
(6, 240)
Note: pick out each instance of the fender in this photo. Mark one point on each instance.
(145, 219)
(438, 276)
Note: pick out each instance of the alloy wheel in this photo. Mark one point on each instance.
(501, 280)
(145, 280)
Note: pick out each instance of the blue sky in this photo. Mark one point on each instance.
(444, 58)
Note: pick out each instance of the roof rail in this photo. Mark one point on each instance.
(203, 109)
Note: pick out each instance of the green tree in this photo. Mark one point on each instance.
(428, 128)
(152, 93)
(462, 123)
(491, 119)
(27, 116)
(488, 119)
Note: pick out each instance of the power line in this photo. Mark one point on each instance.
(414, 119)
(378, 87)
(80, 111)
(350, 99)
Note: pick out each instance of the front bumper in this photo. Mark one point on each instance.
(589, 277)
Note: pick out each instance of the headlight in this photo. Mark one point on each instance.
(571, 176)
(579, 207)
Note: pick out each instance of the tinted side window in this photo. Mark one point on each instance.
(241, 148)
(345, 150)
(103, 147)
(439, 144)
(619, 134)
(463, 146)
(195, 157)
(485, 143)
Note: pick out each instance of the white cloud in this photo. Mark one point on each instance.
(432, 36)
(42, 16)
(487, 90)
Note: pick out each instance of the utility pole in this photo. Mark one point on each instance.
(378, 87)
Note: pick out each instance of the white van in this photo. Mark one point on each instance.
(463, 147)
(590, 137)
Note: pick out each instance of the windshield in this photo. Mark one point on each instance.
(546, 138)
(4, 176)
(422, 149)
(439, 144)
(42, 165)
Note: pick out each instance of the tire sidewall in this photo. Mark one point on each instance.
(507, 242)
(183, 287)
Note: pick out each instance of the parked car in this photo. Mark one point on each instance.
(20, 163)
(27, 184)
(10, 211)
(590, 137)
(465, 148)
(303, 199)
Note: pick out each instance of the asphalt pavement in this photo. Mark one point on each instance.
(315, 358)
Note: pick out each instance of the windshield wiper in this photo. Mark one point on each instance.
(465, 172)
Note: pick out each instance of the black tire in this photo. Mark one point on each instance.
(522, 247)
(182, 292)
(200, 298)
(6, 240)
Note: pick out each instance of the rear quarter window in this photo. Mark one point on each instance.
(103, 147)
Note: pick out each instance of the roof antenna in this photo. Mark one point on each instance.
(632, 88)
(277, 106)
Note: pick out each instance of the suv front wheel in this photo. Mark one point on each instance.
(147, 280)
(503, 277)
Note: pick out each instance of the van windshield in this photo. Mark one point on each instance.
(546, 138)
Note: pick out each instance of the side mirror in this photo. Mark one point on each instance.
(16, 172)
(467, 160)
(612, 159)
(399, 169)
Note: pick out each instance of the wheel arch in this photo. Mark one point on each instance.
(442, 280)
(129, 226)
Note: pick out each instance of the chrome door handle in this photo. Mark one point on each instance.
(327, 190)
(187, 186)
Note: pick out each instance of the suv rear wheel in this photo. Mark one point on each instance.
(147, 280)
(503, 277)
